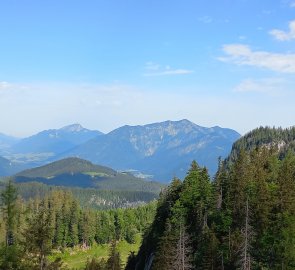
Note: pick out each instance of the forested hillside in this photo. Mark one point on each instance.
(87, 197)
(76, 172)
(244, 219)
(30, 231)
(278, 138)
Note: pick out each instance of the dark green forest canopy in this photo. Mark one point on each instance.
(281, 140)
(57, 221)
(87, 197)
(244, 219)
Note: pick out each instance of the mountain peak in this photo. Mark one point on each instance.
(185, 122)
(73, 128)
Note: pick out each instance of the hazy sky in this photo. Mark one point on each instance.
(106, 63)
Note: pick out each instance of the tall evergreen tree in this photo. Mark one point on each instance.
(8, 207)
(114, 259)
(38, 238)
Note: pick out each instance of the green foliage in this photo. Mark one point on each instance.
(38, 237)
(152, 236)
(278, 139)
(244, 219)
(88, 197)
(95, 264)
(58, 222)
(10, 257)
(8, 207)
(114, 259)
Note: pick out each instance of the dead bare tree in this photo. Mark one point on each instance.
(183, 256)
(247, 235)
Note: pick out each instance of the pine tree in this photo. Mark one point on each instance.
(10, 253)
(284, 225)
(8, 207)
(73, 224)
(95, 265)
(166, 250)
(114, 260)
(38, 237)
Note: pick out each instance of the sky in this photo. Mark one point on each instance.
(108, 63)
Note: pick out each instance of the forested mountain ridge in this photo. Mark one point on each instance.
(75, 172)
(244, 219)
(161, 150)
(279, 139)
(69, 165)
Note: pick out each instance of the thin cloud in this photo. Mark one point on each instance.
(169, 72)
(152, 66)
(282, 35)
(271, 86)
(153, 69)
(292, 4)
(4, 85)
(205, 19)
(243, 55)
(41, 106)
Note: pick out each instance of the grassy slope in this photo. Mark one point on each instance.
(76, 258)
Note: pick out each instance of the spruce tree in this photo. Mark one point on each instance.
(8, 207)
(114, 259)
(38, 237)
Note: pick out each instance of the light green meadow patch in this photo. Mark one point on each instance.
(76, 258)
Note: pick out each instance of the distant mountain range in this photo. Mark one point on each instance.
(159, 151)
(44, 146)
(55, 141)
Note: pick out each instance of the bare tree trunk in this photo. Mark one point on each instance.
(219, 200)
(247, 234)
(229, 243)
(183, 256)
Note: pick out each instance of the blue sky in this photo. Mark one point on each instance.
(108, 63)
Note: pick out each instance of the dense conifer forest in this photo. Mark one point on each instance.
(87, 197)
(243, 219)
(282, 139)
(31, 230)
